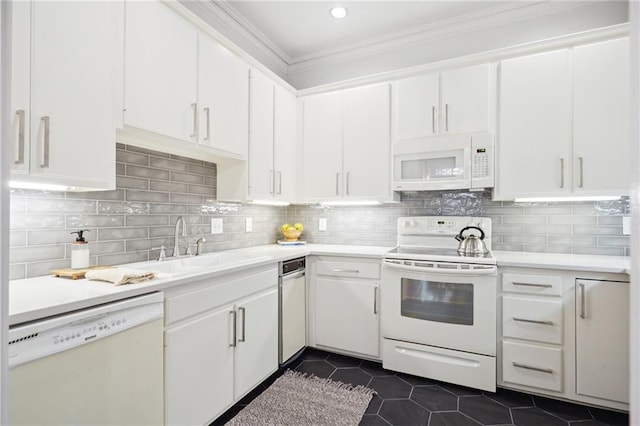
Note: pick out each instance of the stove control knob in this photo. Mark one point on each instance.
(406, 224)
(414, 223)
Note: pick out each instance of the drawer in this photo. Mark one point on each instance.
(348, 268)
(532, 319)
(532, 365)
(548, 285)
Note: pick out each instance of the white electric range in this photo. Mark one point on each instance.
(439, 307)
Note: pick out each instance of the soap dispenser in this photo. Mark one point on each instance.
(80, 251)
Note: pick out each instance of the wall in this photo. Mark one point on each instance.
(578, 227)
(152, 190)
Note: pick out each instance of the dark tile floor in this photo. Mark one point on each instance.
(403, 399)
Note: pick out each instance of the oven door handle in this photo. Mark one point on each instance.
(489, 270)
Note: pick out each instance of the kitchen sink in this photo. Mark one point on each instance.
(189, 265)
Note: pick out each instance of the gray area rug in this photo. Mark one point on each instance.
(296, 399)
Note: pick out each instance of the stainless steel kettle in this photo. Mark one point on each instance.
(471, 245)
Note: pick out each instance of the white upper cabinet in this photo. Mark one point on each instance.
(161, 66)
(65, 64)
(285, 144)
(452, 102)
(601, 87)
(223, 98)
(562, 118)
(534, 133)
(346, 146)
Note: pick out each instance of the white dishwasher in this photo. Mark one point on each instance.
(102, 365)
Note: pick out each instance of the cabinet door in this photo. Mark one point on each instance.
(161, 69)
(322, 147)
(257, 350)
(534, 128)
(261, 172)
(223, 97)
(415, 107)
(601, 118)
(465, 100)
(602, 339)
(367, 149)
(199, 369)
(20, 63)
(347, 315)
(73, 75)
(285, 143)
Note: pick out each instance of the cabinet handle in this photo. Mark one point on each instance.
(354, 271)
(433, 120)
(532, 285)
(375, 300)
(235, 333)
(562, 173)
(47, 136)
(272, 180)
(279, 182)
(446, 117)
(21, 120)
(195, 120)
(337, 183)
(529, 367)
(348, 177)
(244, 316)
(207, 113)
(581, 161)
(582, 301)
(533, 321)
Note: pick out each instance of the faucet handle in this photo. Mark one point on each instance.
(162, 254)
(199, 242)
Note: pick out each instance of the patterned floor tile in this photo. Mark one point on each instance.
(434, 398)
(403, 412)
(484, 410)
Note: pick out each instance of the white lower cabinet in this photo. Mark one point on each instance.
(221, 340)
(565, 334)
(345, 305)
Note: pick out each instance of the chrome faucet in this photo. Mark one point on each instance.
(199, 244)
(176, 249)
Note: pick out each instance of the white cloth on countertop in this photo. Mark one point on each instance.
(119, 276)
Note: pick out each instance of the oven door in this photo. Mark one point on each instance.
(432, 164)
(449, 308)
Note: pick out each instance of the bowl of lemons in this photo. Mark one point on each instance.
(291, 232)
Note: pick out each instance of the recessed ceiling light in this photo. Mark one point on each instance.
(338, 12)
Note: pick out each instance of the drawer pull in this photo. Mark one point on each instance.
(353, 271)
(532, 285)
(529, 367)
(533, 321)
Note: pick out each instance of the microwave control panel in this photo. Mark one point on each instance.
(480, 164)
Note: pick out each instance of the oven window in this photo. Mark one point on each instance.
(437, 301)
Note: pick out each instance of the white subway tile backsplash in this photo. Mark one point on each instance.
(524, 220)
(602, 251)
(17, 238)
(37, 221)
(94, 221)
(150, 196)
(46, 252)
(106, 234)
(122, 207)
(132, 183)
(168, 164)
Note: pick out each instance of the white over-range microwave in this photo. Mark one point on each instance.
(440, 163)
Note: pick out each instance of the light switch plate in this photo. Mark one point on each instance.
(322, 224)
(216, 225)
(626, 225)
(248, 224)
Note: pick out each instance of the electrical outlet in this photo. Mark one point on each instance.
(216, 225)
(626, 225)
(248, 224)
(322, 224)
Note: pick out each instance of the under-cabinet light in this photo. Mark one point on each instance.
(351, 203)
(270, 203)
(562, 199)
(39, 186)
(338, 12)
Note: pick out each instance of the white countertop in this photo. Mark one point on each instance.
(35, 298)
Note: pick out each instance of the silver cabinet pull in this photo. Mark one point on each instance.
(234, 340)
(446, 117)
(337, 183)
(195, 120)
(348, 176)
(207, 114)
(583, 303)
(21, 121)
(433, 120)
(353, 271)
(279, 182)
(532, 285)
(47, 136)
(533, 321)
(244, 318)
(530, 367)
(562, 173)
(581, 161)
(375, 300)
(272, 180)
